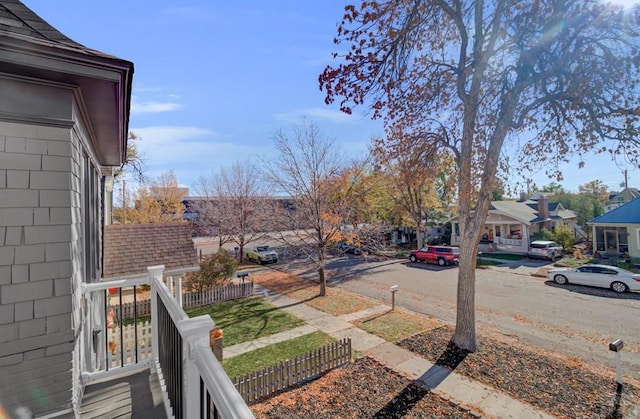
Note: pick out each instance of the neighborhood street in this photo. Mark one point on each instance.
(573, 320)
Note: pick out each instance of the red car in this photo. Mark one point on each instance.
(442, 255)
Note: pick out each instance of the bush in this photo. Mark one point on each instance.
(215, 271)
(564, 236)
(542, 235)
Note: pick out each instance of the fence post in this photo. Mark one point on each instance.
(179, 291)
(155, 275)
(195, 333)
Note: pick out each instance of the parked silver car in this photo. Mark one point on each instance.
(604, 276)
(545, 249)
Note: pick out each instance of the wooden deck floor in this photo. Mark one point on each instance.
(135, 395)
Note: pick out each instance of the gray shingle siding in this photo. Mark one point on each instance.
(35, 268)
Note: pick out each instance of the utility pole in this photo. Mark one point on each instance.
(626, 184)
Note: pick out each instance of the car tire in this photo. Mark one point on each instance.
(442, 262)
(413, 258)
(560, 280)
(619, 287)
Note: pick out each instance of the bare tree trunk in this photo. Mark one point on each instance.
(321, 276)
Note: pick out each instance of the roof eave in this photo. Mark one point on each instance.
(101, 78)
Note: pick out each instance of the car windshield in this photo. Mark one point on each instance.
(263, 248)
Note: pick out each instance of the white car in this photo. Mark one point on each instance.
(262, 253)
(545, 249)
(603, 276)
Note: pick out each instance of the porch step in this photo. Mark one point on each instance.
(133, 395)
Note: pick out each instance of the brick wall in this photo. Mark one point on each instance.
(36, 268)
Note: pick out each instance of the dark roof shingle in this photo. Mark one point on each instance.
(130, 248)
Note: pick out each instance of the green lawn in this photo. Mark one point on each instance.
(504, 256)
(271, 355)
(487, 262)
(397, 324)
(247, 319)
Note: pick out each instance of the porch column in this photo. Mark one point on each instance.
(195, 334)
(179, 290)
(155, 277)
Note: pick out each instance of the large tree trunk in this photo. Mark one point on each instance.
(323, 280)
(465, 333)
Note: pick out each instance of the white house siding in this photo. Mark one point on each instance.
(41, 259)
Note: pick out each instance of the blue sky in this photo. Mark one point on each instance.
(214, 80)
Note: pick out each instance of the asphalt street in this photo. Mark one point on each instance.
(574, 320)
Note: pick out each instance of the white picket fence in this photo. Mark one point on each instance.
(189, 299)
(122, 346)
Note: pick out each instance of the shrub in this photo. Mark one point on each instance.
(564, 236)
(216, 270)
(544, 234)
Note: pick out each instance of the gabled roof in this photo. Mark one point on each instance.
(628, 194)
(130, 248)
(628, 213)
(522, 211)
(527, 211)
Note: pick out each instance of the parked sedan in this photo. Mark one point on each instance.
(603, 276)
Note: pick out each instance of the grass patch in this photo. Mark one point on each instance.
(396, 325)
(273, 354)
(503, 256)
(247, 319)
(336, 302)
(486, 262)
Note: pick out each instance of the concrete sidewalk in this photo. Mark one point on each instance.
(469, 393)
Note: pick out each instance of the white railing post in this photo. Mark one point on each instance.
(179, 291)
(195, 333)
(155, 274)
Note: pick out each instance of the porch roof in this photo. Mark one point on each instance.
(628, 213)
(130, 248)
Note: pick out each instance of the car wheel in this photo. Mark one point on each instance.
(413, 258)
(619, 287)
(259, 261)
(560, 280)
(442, 261)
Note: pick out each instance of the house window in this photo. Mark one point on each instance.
(600, 245)
(91, 220)
(623, 240)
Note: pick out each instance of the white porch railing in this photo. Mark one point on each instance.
(194, 383)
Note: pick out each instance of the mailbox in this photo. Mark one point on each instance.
(616, 345)
(394, 288)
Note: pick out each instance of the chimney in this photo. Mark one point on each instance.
(543, 210)
(523, 196)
